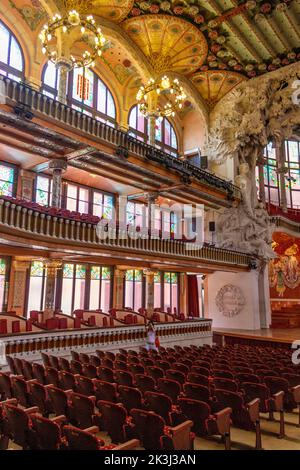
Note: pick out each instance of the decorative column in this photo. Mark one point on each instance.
(261, 178)
(152, 124)
(118, 293)
(52, 266)
(149, 291)
(183, 292)
(58, 167)
(151, 201)
(63, 66)
(17, 291)
(281, 170)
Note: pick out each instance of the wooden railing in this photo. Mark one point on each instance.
(26, 222)
(37, 101)
(62, 341)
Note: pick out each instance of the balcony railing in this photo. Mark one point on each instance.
(30, 345)
(37, 101)
(28, 222)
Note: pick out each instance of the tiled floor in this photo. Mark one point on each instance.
(245, 440)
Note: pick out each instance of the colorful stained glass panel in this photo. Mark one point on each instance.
(106, 273)
(68, 270)
(80, 271)
(37, 269)
(2, 267)
(95, 273)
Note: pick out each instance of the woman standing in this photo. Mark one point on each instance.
(151, 337)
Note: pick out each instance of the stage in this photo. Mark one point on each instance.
(275, 337)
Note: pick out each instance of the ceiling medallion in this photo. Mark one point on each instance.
(65, 25)
(149, 94)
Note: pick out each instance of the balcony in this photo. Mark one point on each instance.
(66, 117)
(21, 222)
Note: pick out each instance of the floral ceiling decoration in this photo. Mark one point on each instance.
(32, 13)
(247, 37)
(170, 44)
(214, 84)
(113, 10)
(284, 271)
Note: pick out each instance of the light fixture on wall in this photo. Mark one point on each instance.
(69, 22)
(148, 97)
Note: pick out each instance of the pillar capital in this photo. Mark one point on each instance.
(58, 164)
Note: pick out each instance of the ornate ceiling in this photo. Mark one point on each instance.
(214, 43)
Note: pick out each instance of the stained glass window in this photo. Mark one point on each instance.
(103, 205)
(100, 288)
(133, 289)
(11, 57)
(135, 213)
(43, 190)
(37, 286)
(2, 267)
(73, 287)
(86, 93)
(37, 269)
(80, 271)
(171, 292)
(291, 151)
(7, 177)
(157, 277)
(68, 271)
(165, 135)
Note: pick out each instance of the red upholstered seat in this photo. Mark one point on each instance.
(113, 420)
(5, 386)
(67, 380)
(169, 387)
(46, 432)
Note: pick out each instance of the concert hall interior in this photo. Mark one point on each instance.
(149, 224)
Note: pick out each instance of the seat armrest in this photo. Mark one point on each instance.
(59, 419)
(296, 393)
(132, 444)
(92, 430)
(32, 381)
(181, 435)
(253, 409)
(278, 400)
(93, 398)
(223, 420)
(10, 401)
(33, 409)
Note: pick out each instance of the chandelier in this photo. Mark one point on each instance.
(165, 87)
(90, 32)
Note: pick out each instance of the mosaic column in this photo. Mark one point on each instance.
(152, 124)
(17, 291)
(149, 291)
(52, 266)
(63, 67)
(183, 292)
(27, 184)
(119, 275)
(58, 167)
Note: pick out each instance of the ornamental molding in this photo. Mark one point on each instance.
(230, 300)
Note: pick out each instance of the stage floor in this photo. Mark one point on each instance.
(280, 335)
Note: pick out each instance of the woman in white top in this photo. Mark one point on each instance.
(151, 336)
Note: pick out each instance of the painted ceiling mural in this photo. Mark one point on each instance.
(284, 271)
(237, 38)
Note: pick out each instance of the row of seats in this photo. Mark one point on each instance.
(206, 385)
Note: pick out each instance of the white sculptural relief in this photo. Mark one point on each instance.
(230, 300)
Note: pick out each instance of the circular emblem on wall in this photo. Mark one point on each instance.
(230, 300)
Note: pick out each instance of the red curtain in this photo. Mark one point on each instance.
(193, 300)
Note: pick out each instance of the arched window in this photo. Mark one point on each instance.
(86, 92)
(165, 135)
(291, 149)
(11, 56)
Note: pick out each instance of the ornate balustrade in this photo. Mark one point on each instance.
(36, 101)
(25, 222)
(61, 342)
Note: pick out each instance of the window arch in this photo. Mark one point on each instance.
(165, 135)
(11, 55)
(291, 149)
(86, 92)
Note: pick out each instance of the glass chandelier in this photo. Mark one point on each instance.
(65, 24)
(163, 87)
